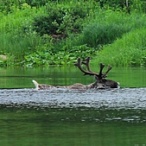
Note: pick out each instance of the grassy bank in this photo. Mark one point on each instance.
(129, 50)
(57, 33)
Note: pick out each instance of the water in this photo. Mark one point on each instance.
(22, 77)
(65, 117)
(76, 127)
(35, 126)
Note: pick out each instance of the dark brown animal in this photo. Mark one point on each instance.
(100, 78)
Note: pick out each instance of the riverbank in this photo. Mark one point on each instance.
(58, 33)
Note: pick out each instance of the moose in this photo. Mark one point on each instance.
(100, 78)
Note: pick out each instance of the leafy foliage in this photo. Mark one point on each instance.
(47, 56)
(55, 32)
(60, 21)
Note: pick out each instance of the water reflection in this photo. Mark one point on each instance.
(115, 117)
(21, 77)
(37, 126)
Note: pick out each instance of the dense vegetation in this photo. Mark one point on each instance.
(57, 32)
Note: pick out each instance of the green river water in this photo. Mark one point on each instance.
(33, 125)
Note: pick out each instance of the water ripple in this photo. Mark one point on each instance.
(133, 98)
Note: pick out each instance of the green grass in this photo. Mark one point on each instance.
(130, 50)
(121, 37)
(15, 33)
(107, 26)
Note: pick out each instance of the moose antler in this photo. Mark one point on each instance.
(100, 71)
(88, 71)
(86, 63)
(105, 74)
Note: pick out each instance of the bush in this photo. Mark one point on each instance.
(49, 24)
(60, 21)
(36, 2)
(7, 6)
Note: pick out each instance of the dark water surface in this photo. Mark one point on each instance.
(63, 117)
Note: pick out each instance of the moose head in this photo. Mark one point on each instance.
(101, 81)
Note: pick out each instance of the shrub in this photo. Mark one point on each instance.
(49, 24)
(7, 6)
(60, 21)
(36, 2)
